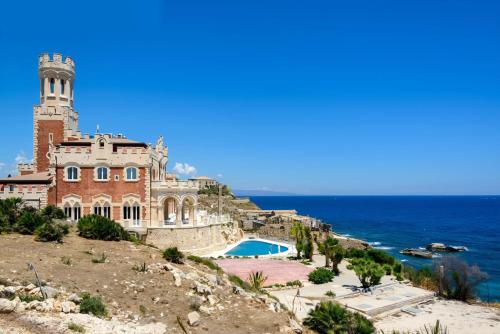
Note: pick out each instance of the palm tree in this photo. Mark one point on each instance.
(327, 248)
(297, 231)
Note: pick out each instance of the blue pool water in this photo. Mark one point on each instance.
(395, 222)
(255, 247)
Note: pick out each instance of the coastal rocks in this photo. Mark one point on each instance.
(7, 306)
(193, 319)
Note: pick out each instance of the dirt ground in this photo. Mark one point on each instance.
(125, 290)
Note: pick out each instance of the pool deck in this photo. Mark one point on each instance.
(276, 271)
(291, 249)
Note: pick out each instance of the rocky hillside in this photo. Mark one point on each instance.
(141, 291)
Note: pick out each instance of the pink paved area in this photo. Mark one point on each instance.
(277, 271)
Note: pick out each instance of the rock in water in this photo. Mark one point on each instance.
(193, 319)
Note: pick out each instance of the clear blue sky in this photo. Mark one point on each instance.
(315, 97)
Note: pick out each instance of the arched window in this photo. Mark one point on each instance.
(102, 173)
(62, 86)
(126, 212)
(72, 173)
(67, 211)
(103, 210)
(77, 212)
(131, 173)
(136, 214)
(52, 85)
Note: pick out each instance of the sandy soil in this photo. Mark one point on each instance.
(125, 290)
(459, 318)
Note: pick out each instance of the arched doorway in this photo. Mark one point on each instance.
(188, 211)
(170, 211)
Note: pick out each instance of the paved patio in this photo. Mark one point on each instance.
(277, 271)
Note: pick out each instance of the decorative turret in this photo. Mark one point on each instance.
(56, 80)
(55, 120)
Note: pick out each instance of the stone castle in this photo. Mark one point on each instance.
(108, 175)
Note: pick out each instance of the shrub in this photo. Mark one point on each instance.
(207, 262)
(239, 282)
(101, 228)
(141, 268)
(296, 283)
(397, 268)
(380, 257)
(51, 231)
(354, 253)
(388, 269)
(321, 275)
(10, 209)
(456, 279)
(101, 259)
(92, 305)
(30, 298)
(173, 255)
(329, 318)
(66, 260)
(76, 328)
(308, 244)
(330, 294)
(53, 212)
(257, 280)
(369, 273)
(29, 220)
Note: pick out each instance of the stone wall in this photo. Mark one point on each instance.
(197, 240)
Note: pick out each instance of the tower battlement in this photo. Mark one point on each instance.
(45, 61)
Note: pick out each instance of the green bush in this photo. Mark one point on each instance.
(397, 268)
(387, 269)
(101, 228)
(257, 280)
(173, 255)
(207, 262)
(10, 209)
(295, 283)
(331, 318)
(380, 256)
(239, 282)
(29, 220)
(93, 305)
(369, 272)
(53, 212)
(321, 275)
(51, 231)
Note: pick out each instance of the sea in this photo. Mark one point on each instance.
(392, 223)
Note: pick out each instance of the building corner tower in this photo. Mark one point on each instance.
(55, 120)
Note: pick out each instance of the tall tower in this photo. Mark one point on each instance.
(55, 120)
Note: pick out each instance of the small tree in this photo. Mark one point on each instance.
(29, 220)
(321, 276)
(101, 228)
(297, 231)
(53, 212)
(327, 248)
(173, 255)
(336, 256)
(308, 244)
(456, 279)
(256, 280)
(368, 272)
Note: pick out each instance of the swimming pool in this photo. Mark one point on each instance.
(256, 247)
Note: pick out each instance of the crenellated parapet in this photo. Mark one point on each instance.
(56, 63)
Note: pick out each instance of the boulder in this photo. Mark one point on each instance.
(50, 292)
(205, 310)
(295, 326)
(75, 298)
(177, 279)
(193, 319)
(212, 300)
(202, 289)
(7, 306)
(30, 287)
(68, 307)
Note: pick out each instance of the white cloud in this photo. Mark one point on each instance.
(21, 158)
(184, 169)
(2, 165)
(220, 176)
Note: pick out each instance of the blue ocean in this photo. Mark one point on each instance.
(396, 222)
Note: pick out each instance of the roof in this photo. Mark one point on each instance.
(117, 141)
(202, 178)
(35, 178)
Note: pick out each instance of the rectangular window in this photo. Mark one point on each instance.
(76, 213)
(67, 212)
(97, 210)
(62, 86)
(126, 212)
